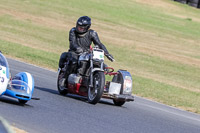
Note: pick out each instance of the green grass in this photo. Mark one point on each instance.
(42, 36)
(32, 55)
(169, 94)
(159, 45)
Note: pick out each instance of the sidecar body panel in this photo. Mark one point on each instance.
(120, 88)
(21, 86)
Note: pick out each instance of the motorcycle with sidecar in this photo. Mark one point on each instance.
(89, 79)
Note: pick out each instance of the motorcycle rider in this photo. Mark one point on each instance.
(81, 38)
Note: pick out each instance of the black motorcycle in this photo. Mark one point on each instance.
(88, 79)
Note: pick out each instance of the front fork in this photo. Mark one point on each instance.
(91, 74)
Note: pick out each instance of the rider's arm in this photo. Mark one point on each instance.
(96, 41)
(72, 40)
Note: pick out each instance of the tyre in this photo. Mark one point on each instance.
(95, 92)
(22, 101)
(118, 103)
(61, 89)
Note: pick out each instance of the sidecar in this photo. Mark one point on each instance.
(120, 88)
(21, 86)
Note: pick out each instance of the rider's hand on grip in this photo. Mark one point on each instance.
(110, 57)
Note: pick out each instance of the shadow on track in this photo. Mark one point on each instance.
(76, 97)
(84, 99)
(47, 90)
(12, 101)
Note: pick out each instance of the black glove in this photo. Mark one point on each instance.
(79, 50)
(110, 57)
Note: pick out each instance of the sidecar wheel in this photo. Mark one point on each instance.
(118, 103)
(22, 101)
(61, 89)
(95, 92)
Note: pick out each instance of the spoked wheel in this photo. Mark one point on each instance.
(118, 103)
(95, 92)
(22, 101)
(60, 84)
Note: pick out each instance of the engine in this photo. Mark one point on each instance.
(74, 79)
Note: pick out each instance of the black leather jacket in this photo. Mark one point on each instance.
(85, 40)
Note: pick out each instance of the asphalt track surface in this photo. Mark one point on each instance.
(54, 113)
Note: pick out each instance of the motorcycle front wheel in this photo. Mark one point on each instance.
(95, 92)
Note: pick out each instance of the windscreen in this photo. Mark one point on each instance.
(3, 61)
(20, 86)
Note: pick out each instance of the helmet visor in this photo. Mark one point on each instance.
(82, 29)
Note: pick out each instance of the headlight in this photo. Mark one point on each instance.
(127, 85)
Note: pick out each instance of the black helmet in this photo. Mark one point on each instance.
(83, 24)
